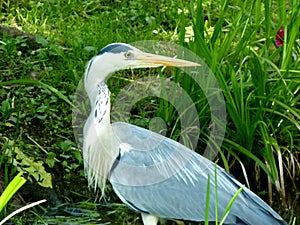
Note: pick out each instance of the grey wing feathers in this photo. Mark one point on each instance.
(157, 175)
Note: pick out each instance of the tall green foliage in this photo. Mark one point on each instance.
(260, 82)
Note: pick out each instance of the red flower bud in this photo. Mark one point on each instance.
(279, 37)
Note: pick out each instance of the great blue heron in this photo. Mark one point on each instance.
(153, 174)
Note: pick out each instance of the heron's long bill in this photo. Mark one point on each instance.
(152, 60)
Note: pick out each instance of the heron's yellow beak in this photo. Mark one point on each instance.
(151, 60)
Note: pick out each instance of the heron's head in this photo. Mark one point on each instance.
(120, 56)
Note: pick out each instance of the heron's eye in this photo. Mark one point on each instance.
(128, 55)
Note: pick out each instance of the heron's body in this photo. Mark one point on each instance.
(153, 174)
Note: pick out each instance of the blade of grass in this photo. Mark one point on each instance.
(227, 210)
(219, 24)
(207, 201)
(282, 11)
(216, 196)
(247, 153)
(268, 154)
(267, 24)
(290, 35)
(11, 189)
(200, 47)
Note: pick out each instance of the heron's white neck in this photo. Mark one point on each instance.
(92, 90)
(100, 144)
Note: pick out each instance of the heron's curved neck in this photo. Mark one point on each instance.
(100, 144)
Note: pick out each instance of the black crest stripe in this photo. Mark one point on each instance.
(114, 48)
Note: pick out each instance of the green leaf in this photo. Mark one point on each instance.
(258, 75)
(40, 40)
(34, 168)
(11, 189)
(50, 160)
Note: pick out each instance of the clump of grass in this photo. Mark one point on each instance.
(259, 81)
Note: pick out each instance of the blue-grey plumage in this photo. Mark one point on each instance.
(177, 186)
(151, 173)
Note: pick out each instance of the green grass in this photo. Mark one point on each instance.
(260, 82)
